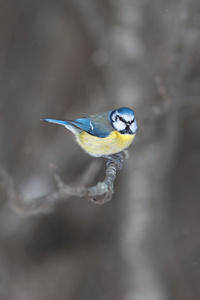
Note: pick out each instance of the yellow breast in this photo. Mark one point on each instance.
(95, 146)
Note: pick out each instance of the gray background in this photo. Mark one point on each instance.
(67, 59)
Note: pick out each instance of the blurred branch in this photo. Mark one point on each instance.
(99, 194)
(166, 100)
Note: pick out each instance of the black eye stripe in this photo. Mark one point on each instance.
(121, 119)
(126, 122)
(117, 117)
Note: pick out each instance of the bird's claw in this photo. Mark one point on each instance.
(117, 159)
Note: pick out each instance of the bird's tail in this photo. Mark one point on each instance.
(67, 124)
(59, 122)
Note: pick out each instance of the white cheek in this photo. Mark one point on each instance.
(113, 118)
(133, 127)
(119, 125)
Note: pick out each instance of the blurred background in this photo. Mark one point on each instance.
(66, 59)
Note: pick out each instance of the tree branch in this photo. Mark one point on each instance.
(99, 194)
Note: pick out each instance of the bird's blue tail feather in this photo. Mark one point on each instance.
(60, 122)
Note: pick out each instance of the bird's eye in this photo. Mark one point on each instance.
(132, 121)
(121, 119)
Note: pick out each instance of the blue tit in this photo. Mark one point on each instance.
(105, 133)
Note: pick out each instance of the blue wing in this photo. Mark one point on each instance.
(95, 128)
(92, 127)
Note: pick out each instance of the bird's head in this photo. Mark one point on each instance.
(123, 120)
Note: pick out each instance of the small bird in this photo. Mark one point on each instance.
(105, 133)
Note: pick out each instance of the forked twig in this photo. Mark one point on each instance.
(99, 194)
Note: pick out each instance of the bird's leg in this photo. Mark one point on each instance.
(126, 154)
(116, 158)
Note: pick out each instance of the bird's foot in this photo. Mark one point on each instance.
(117, 159)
